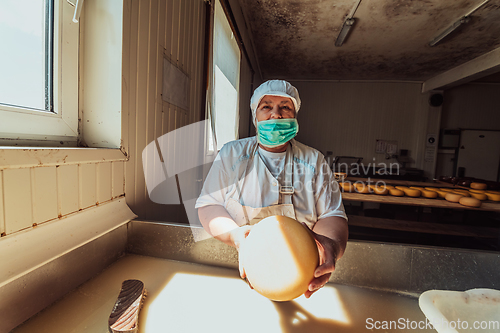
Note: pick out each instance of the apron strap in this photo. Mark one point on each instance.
(286, 178)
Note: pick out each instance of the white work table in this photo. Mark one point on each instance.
(186, 297)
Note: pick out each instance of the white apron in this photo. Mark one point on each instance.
(242, 214)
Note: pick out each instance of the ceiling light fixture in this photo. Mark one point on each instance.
(463, 20)
(449, 30)
(347, 25)
(344, 31)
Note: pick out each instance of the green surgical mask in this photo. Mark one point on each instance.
(275, 132)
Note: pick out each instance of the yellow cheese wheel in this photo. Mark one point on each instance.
(440, 193)
(395, 192)
(445, 189)
(380, 190)
(470, 202)
(493, 196)
(479, 196)
(280, 257)
(409, 192)
(416, 188)
(429, 194)
(476, 191)
(465, 193)
(453, 197)
(478, 186)
(362, 188)
(347, 187)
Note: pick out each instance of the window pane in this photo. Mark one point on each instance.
(226, 79)
(23, 56)
(225, 107)
(226, 49)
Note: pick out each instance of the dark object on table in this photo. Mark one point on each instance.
(125, 315)
(466, 181)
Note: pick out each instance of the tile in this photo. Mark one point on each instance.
(44, 194)
(68, 189)
(118, 179)
(17, 199)
(103, 182)
(87, 184)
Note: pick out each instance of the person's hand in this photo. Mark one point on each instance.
(327, 258)
(238, 236)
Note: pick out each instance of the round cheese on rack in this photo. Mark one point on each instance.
(380, 190)
(478, 186)
(362, 188)
(409, 192)
(470, 202)
(493, 196)
(465, 193)
(347, 187)
(395, 192)
(441, 194)
(453, 197)
(279, 257)
(429, 194)
(479, 196)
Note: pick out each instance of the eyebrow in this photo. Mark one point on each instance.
(282, 102)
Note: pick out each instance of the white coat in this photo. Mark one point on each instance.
(238, 175)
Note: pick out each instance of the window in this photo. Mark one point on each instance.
(39, 66)
(225, 78)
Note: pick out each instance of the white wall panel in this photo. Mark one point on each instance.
(87, 185)
(472, 106)
(173, 29)
(17, 199)
(347, 118)
(103, 182)
(44, 184)
(174, 48)
(68, 189)
(153, 95)
(130, 75)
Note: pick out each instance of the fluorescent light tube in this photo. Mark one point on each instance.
(344, 31)
(449, 30)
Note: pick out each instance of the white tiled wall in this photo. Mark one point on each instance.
(32, 196)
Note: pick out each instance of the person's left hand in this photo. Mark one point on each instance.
(327, 259)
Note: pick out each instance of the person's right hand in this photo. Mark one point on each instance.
(238, 236)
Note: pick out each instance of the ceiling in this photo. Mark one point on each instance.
(295, 39)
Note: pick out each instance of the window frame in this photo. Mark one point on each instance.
(27, 127)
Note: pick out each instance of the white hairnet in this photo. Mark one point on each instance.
(274, 88)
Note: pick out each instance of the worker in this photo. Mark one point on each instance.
(273, 174)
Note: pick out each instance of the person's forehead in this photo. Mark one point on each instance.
(275, 99)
